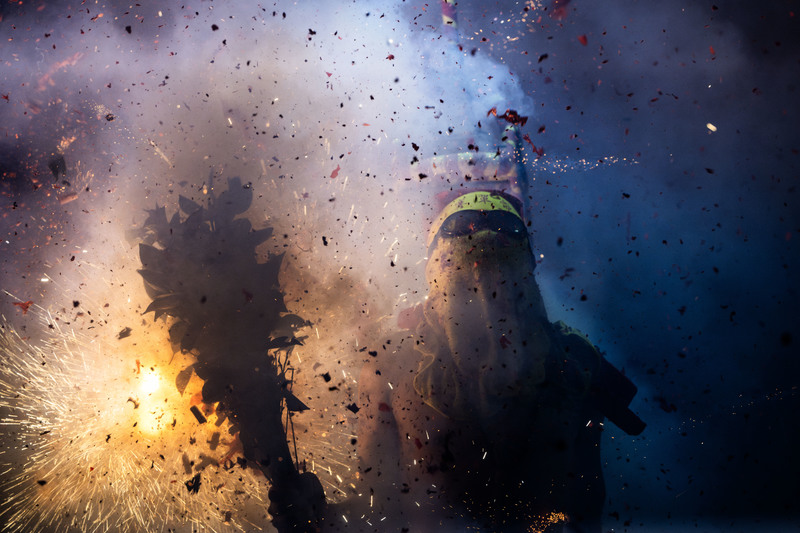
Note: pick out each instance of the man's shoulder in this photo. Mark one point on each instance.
(575, 346)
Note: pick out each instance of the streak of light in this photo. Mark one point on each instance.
(389, 250)
(160, 153)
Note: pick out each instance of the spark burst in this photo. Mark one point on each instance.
(90, 444)
(61, 396)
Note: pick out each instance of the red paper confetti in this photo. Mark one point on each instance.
(583, 40)
(538, 151)
(711, 49)
(24, 306)
(390, 57)
(513, 117)
(335, 171)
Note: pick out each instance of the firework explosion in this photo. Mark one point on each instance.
(120, 433)
(110, 110)
(98, 439)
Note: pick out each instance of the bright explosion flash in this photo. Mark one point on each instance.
(91, 444)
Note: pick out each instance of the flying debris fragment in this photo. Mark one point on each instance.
(510, 116)
(183, 377)
(193, 485)
(198, 415)
(24, 306)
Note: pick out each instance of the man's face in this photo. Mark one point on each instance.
(485, 315)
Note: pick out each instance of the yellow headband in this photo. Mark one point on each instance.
(473, 201)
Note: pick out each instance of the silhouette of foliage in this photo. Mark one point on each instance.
(228, 310)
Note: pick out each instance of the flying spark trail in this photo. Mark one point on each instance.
(566, 165)
(77, 455)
